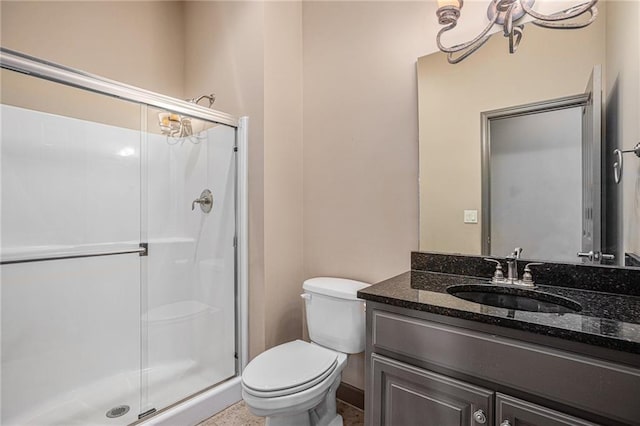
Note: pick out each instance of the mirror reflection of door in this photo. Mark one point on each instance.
(541, 178)
(536, 184)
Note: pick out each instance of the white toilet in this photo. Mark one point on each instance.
(295, 383)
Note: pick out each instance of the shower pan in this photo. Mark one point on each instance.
(121, 301)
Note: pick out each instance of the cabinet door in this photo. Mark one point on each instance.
(406, 395)
(511, 411)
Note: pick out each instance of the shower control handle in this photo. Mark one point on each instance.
(198, 201)
(205, 201)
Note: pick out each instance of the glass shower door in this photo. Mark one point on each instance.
(189, 308)
(118, 258)
(70, 280)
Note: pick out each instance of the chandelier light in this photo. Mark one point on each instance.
(507, 13)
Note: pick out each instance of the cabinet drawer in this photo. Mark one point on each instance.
(603, 388)
(512, 411)
(407, 395)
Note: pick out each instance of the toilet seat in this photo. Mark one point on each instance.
(288, 368)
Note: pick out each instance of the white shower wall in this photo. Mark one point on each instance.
(67, 183)
(81, 336)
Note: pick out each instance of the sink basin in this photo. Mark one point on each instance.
(515, 298)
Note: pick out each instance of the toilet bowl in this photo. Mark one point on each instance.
(295, 383)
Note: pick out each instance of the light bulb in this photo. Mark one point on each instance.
(454, 3)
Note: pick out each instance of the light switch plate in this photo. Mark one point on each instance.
(471, 216)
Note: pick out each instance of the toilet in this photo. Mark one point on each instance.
(295, 383)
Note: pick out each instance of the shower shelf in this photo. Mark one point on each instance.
(172, 240)
(177, 311)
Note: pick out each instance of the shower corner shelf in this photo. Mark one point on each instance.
(178, 311)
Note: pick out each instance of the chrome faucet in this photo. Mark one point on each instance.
(512, 265)
(205, 201)
(512, 271)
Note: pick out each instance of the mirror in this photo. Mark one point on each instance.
(548, 65)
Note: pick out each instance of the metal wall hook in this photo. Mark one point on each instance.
(617, 165)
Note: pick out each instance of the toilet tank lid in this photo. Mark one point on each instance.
(336, 287)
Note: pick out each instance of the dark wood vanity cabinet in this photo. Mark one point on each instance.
(420, 371)
(407, 395)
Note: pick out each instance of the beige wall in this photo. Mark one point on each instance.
(80, 35)
(623, 71)
(360, 140)
(283, 172)
(549, 64)
(360, 137)
(139, 43)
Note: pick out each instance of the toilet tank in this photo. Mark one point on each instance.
(335, 316)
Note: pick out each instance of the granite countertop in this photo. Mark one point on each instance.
(606, 319)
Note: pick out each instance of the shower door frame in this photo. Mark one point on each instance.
(29, 65)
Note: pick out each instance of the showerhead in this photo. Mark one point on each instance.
(211, 97)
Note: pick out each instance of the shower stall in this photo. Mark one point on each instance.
(123, 251)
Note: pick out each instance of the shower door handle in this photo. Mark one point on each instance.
(205, 201)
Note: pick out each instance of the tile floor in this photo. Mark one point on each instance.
(239, 415)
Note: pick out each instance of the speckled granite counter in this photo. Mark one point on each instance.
(607, 320)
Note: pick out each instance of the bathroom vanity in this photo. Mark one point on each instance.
(436, 359)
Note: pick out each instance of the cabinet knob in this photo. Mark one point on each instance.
(480, 417)
(505, 423)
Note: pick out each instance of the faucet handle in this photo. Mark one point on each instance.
(205, 201)
(498, 275)
(516, 253)
(527, 278)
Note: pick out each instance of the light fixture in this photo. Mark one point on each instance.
(507, 13)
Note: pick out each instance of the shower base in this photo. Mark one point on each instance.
(89, 405)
